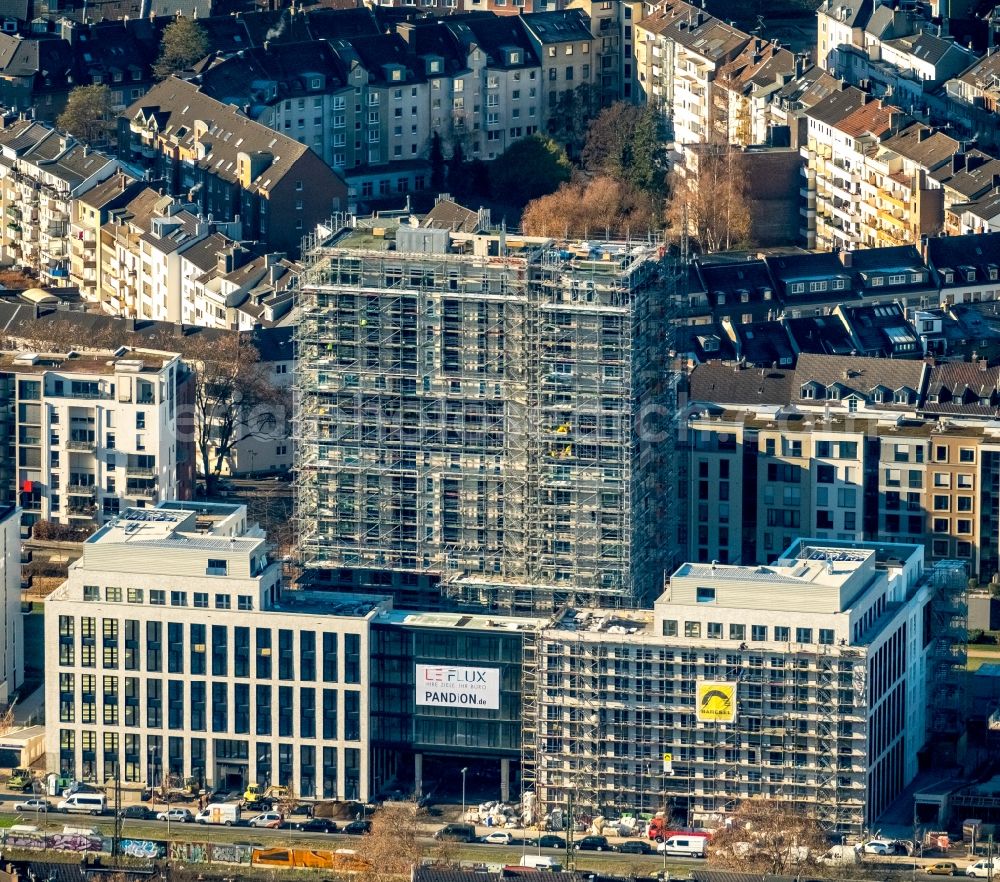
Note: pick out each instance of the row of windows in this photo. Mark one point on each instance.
(158, 597)
(758, 633)
(199, 706)
(194, 647)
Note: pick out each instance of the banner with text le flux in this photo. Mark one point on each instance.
(453, 686)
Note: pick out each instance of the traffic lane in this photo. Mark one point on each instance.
(133, 828)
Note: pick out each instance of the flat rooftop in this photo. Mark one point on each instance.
(605, 621)
(829, 571)
(195, 526)
(327, 603)
(96, 363)
(465, 621)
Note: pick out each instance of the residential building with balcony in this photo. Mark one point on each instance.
(42, 172)
(842, 131)
(90, 211)
(97, 432)
(207, 667)
(564, 44)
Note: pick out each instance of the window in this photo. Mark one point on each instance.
(692, 629)
(670, 627)
(803, 635)
(222, 601)
(178, 598)
(942, 503)
(737, 632)
(826, 636)
(134, 595)
(705, 595)
(244, 602)
(113, 595)
(781, 634)
(91, 592)
(714, 631)
(217, 567)
(758, 633)
(966, 454)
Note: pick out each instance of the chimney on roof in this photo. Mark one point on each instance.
(923, 133)
(984, 365)
(996, 181)
(800, 64)
(973, 161)
(847, 259)
(957, 161)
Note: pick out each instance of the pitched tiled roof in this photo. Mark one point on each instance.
(853, 13)
(873, 119)
(731, 384)
(922, 145)
(837, 105)
(558, 27)
(859, 374)
(172, 108)
(964, 387)
(963, 254)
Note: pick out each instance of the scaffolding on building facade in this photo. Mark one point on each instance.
(473, 414)
(610, 707)
(948, 634)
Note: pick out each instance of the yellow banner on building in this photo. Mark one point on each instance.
(716, 702)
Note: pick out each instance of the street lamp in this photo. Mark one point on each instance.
(464, 770)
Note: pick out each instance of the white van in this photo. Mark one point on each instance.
(86, 803)
(226, 813)
(541, 862)
(984, 869)
(684, 846)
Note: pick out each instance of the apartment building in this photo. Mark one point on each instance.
(846, 447)
(809, 680)
(680, 52)
(208, 669)
(612, 25)
(96, 432)
(230, 166)
(744, 90)
(563, 44)
(90, 211)
(12, 624)
(842, 130)
(42, 172)
(466, 413)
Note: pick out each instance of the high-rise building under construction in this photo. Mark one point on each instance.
(487, 412)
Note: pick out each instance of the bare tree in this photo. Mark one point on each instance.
(767, 836)
(233, 399)
(711, 201)
(392, 846)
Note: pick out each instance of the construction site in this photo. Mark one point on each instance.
(826, 712)
(491, 411)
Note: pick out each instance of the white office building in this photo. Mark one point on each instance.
(11, 623)
(179, 655)
(807, 680)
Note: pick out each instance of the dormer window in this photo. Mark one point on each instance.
(897, 279)
(720, 298)
(808, 391)
(796, 287)
(876, 281)
(768, 293)
(992, 272)
(316, 83)
(838, 284)
(816, 287)
(970, 275)
(948, 276)
(916, 278)
(744, 296)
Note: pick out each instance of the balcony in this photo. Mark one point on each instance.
(82, 445)
(87, 491)
(81, 512)
(133, 471)
(133, 492)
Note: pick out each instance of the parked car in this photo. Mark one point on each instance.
(271, 820)
(456, 833)
(497, 837)
(177, 815)
(357, 828)
(593, 843)
(549, 840)
(85, 803)
(984, 869)
(33, 805)
(880, 846)
(138, 813)
(942, 868)
(302, 809)
(79, 787)
(635, 846)
(314, 825)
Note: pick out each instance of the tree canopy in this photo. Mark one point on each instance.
(624, 142)
(183, 43)
(601, 206)
(89, 114)
(529, 168)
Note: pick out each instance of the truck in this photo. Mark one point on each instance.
(257, 792)
(224, 813)
(660, 830)
(685, 845)
(541, 862)
(21, 779)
